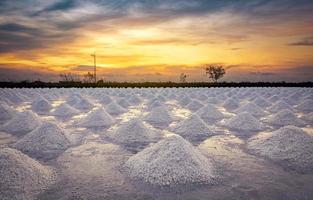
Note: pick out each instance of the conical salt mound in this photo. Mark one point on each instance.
(193, 129)
(97, 118)
(253, 109)
(210, 114)
(115, 109)
(172, 161)
(159, 117)
(184, 101)
(105, 99)
(231, 104)
(41, 106)
(306, 106)
(289, 146)
(21, 177)
(123, 102)
(278, 106)
(134, 100)
(154, 104)
(194, 105)
(22, 123)
(45, 142)
(6, 112)
(79, 102)
(134, 134)
(262, 102)
(244, 122)
(284, 118)
(65, 110)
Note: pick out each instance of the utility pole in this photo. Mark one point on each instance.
(95, 66)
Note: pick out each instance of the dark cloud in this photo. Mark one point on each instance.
(303, 42)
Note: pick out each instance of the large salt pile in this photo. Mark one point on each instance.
(6, 112)
(21, 177)
(306, 106)
(114, 109)
(284, 118)
(231, 104)
(244, 122)
(289, 146)
(159, 117)
(193, 129)
(134, 134)
(41, 106)
(97, 118)
(210, 114)
(172, 161)
(64, 110)
(45, 142)
(194, 105)
(22, 123)
(253, 109)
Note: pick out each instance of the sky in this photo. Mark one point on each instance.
(156, 40)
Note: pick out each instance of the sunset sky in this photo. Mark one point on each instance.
(156, 40)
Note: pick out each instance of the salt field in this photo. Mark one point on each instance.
(165, 143)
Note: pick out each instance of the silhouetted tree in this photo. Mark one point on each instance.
(88, 78)
(183, 78)
(215, 72)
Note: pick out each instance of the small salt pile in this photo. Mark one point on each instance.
(306, 106)
(210, 114)
(114, 109)
(261, 102)
(184, 101)
(159, 117)
(253, 109)
(134, 100)
(244, 122)
(278, 106)
(22, 123)
(289, 146)
(6, 112)
(41, 106)
(45, 142)
(79, 102)
(283, 118)
(21, 177)
(123, 102)
(64, 110)
(97, 118)
(105, 99)
(172, 161)
(154, 104)
(193, 129)
(194, 105)
(134, 134)
(231, 104)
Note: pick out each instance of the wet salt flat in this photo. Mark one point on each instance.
(191, 143)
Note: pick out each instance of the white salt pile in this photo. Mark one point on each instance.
(45, 142)
(6, 112)
(194, 105)
(21, 177)
(306, 106)
(154, 104)
(253, 109)
(170, 162)
(193, 129)
(105, 99)
(231, 104)
(123, 102)
(184, 101)
(79, 102)
(134, 134)
(210, 114)
(263, 103)
(41, 106)
(308, 118)
(64, 110)
(278, 106)
(244, 122)
(134, 100)
(114, 109)
(284, 118)
(159, 117)
(289, 146)
(97, 118)
(22, 123)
